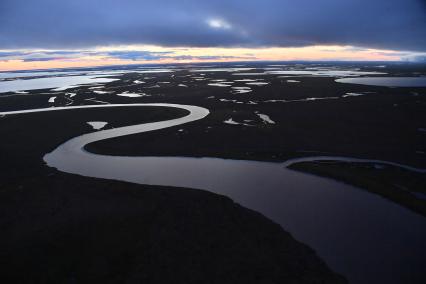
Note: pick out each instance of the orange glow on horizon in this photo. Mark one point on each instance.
(310, 53)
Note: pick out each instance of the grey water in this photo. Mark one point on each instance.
(63, 80)
(50, 82)
(360, 235)
(386, 81)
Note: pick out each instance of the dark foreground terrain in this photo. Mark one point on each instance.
(67, 229)
(62, 228)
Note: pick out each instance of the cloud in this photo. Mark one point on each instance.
(135, 55)
(11, 54)
(32, 56)
(219, 24)
(416, 58)
(138, 55)
(55, 24)
(41, 59)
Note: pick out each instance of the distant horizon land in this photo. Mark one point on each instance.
(223, 63)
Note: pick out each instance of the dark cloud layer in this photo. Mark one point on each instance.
(390, 24)
(37, 56)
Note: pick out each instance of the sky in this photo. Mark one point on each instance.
(71, 33)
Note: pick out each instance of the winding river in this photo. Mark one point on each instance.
(360, 235)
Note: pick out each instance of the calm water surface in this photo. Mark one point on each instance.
(360, 235)
(386, 81)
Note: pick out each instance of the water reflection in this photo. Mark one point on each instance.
(363, 236)
(60, 83)
(386, 81)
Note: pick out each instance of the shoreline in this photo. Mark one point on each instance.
(55, 226)
(303, 128)
(392, 183)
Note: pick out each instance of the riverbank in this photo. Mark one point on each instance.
(403, 187)
(60, 228)
(261, 117)
(64, 228)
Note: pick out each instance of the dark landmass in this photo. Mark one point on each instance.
(398, 185)
(71, 229)
(62, 228)
(383, 125)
